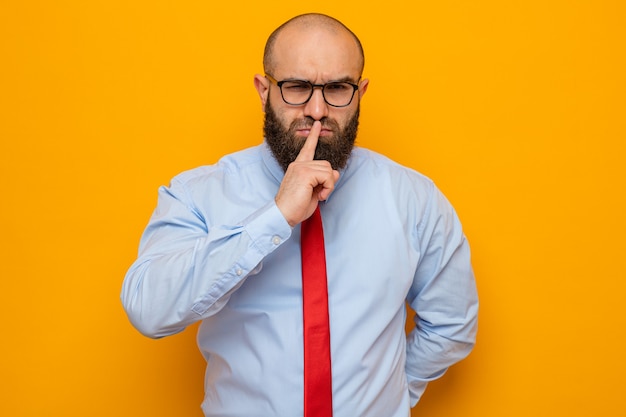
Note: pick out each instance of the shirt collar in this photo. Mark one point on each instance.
(271, 164)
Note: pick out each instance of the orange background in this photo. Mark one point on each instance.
(515, 108)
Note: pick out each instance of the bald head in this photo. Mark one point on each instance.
(307, 23)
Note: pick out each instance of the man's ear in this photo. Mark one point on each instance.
(363, 87)
(262, 86)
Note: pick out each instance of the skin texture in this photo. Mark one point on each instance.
(318, 50)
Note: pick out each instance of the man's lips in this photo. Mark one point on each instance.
(306, 132)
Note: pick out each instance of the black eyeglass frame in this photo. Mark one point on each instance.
(313, 87)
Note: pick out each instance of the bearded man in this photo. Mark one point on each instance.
(224, 247)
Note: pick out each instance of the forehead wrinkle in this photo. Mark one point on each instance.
(315, 55)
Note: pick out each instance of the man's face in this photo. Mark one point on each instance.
(318, 56)
(285, 142)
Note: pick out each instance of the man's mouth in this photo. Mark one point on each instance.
(307, 131)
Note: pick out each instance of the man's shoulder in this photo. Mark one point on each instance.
(368, 159)
(236, 161)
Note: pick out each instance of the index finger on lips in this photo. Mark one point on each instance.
(308, 149)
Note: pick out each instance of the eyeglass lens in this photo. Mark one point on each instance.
(335, 94)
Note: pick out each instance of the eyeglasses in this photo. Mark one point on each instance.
(298, 92)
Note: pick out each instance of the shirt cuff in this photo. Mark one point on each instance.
(267, 228)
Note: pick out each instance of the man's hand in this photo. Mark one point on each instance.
(306, 182)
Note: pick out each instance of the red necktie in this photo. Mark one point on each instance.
(317, 371)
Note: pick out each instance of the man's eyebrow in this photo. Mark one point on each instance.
(344, 79)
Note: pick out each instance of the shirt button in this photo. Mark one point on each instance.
(239, 271)
(276, 240)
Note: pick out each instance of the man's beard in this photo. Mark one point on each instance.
(286, 145)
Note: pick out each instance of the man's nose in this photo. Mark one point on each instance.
(316, 107)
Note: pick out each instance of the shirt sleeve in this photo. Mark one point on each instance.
(187, 269)
(443, 296)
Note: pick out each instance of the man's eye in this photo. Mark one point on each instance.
(297, 86)
(338, 87)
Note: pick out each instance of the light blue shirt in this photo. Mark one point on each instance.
(217, 249)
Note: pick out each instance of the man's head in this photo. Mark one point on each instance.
(318, 49)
